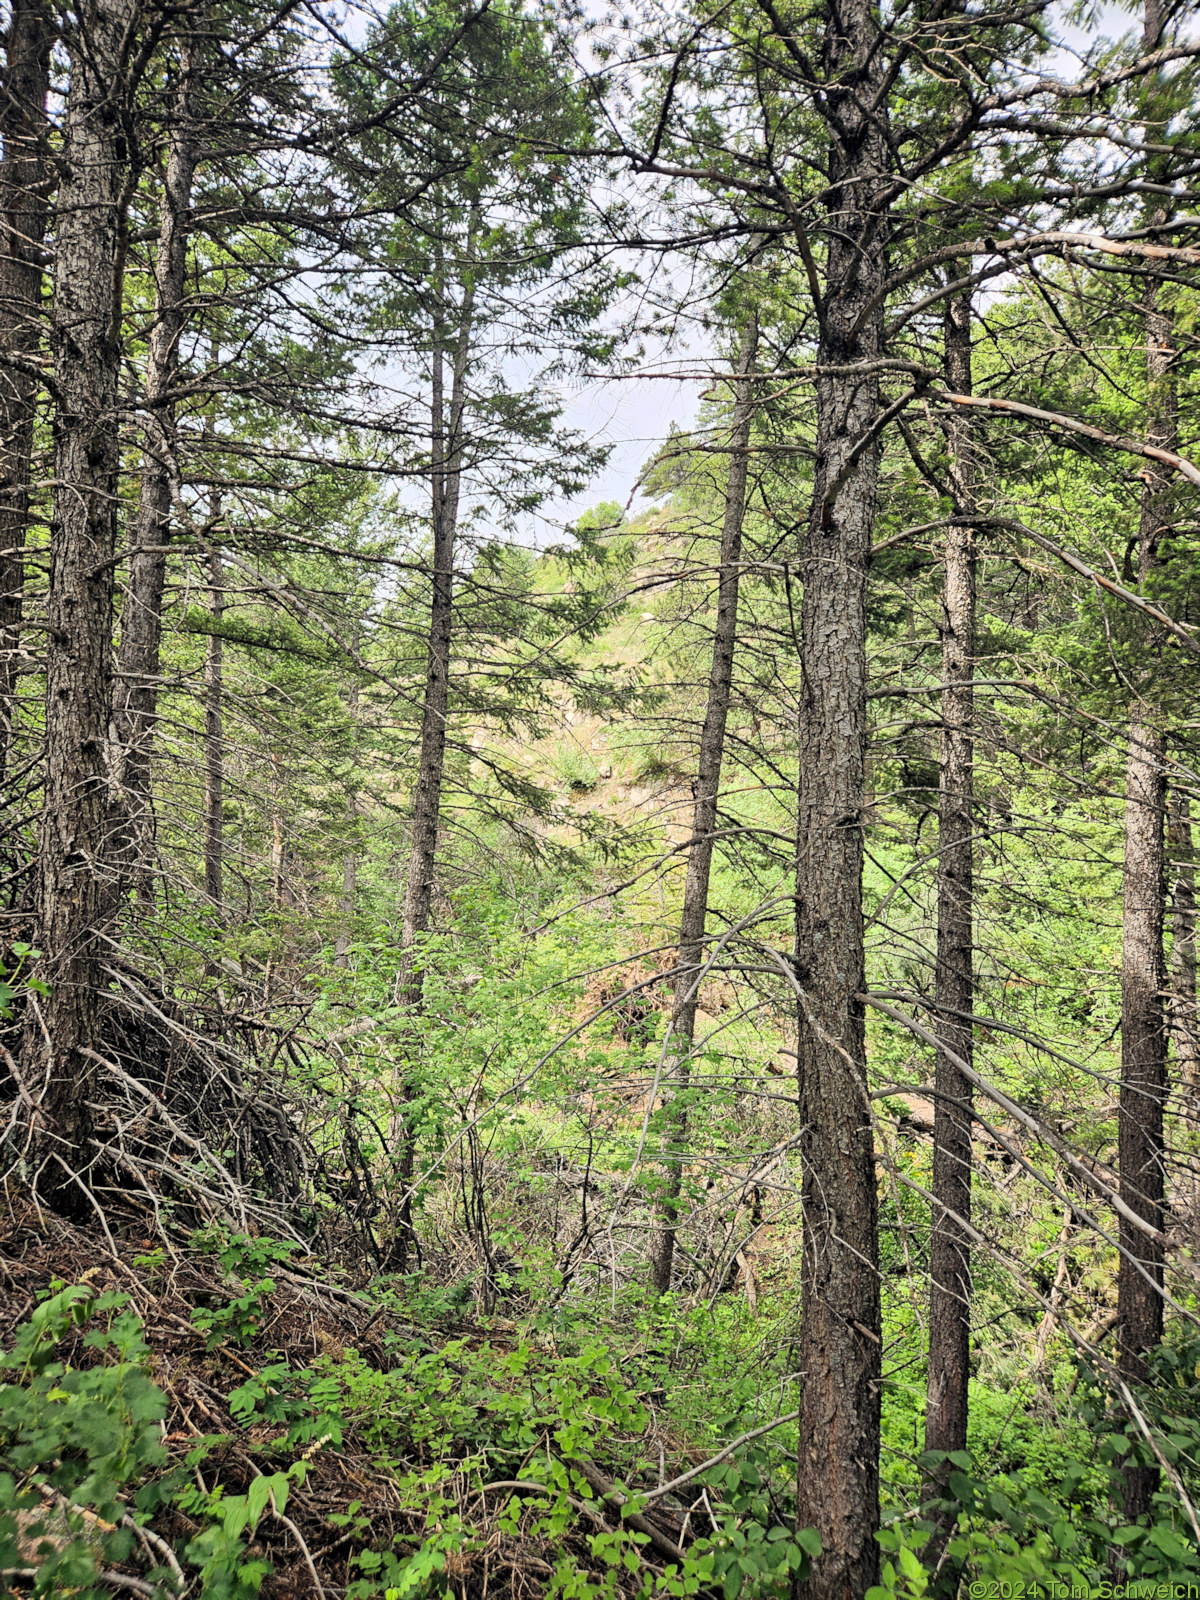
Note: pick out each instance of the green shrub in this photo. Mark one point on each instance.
(82, 1463)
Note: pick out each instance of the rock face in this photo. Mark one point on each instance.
(918, 1117)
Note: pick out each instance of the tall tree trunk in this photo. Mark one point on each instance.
(837, 1478)
(86, 343)
(418, 896)
(1143, 1068)
(446, 440)
(706, 790)
(946, 1402)
(141, 617)
(23, 209)
(1143, 974)
(214, 745)
(1143, 971)
(1183, 943)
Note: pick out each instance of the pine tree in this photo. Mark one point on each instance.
(62, 1035)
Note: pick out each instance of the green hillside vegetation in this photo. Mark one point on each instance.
(611, 1056)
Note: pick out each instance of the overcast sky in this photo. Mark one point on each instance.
(636, 414)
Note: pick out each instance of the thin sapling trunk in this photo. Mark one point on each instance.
(138, 658)
(946, 1404)
(447, 418)
(706, 791)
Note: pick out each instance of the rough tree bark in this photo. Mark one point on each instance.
(1143, 972)
(837, 1478)
(1143, 969)
(706, 790)
(946, 1404)
(1143, 1068)
(446, 455)
(23, 209)
(86, 347)
(138, 658)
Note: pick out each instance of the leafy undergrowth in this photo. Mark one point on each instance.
(216, 1422)
(219, 1420)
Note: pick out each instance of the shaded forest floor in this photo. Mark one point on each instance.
(222, 1417)
(387, 1453)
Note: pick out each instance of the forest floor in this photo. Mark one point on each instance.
(374, 1432)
